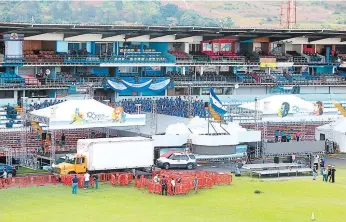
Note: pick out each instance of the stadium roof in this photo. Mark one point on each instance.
(180, 32)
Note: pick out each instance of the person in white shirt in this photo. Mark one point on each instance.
(4, 174)
(156, 179)
(38, 102)
(173, 186)
(316, 161)
(293, 158)
(86, 180)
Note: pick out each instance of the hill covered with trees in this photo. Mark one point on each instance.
(312, 13)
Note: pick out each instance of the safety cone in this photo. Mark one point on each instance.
(313, 216)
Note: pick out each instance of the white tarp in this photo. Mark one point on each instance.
(290, 104)
(335, 132)
(214, 135)
(74, 114)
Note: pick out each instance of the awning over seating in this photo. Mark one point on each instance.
(76, 114)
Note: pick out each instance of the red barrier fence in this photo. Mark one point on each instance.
(184, 181)
(28, 181)
(116, 179)
(121, 179)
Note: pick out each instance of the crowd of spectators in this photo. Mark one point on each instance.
(32, 105)
(80, 52)
(178, 106)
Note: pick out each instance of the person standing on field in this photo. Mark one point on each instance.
(74, 184)
(333, 174)
(86, 180)
(96, 180)
(324, 174)
(195, 184)
(164, 185)
(329, 176)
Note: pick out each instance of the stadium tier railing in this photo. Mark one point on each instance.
(92, 60)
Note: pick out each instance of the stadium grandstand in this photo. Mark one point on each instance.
(169, 71)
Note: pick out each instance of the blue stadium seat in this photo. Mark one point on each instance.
(168, 106)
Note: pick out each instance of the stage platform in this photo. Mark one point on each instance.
(218, 158)
(269, 165)
(277, 169)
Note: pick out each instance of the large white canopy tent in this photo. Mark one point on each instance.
(335, 132)
(82, 114)
(76, 114)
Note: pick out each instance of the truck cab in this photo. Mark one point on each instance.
(177, 160)
(75, 164)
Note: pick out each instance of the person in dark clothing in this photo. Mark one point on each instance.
(329, 173)
(63, 138)
(277, 132)
(332, 175)
(164, 185)
(321, 164)
(74, 184)
(96, 180)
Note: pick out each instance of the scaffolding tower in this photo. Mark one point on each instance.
(189, 99)
(23, 155)
(258, 146)
(188, 147)
(288, 13)
(52, 138)
(139, 110)
(26, 158)
(8, 154)
(264, 138)
(153, 123)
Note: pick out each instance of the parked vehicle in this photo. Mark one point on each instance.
(11, 170)
(108, 154)
(177, 160)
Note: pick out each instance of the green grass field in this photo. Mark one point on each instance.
(291, 200)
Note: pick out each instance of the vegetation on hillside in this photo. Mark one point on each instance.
(312, 13)
(106, 12)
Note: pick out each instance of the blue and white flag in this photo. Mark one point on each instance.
(216, 103)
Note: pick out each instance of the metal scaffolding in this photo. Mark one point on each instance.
(139, 110)
(189, 99)
(26, 158)
(258, 145)
(52, 139)
(8, 154)
(153, 123)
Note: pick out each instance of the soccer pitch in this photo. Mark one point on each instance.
(291, 200)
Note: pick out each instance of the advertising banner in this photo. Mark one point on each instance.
(267, 65)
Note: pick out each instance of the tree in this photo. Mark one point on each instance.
(227, 22)
(169, 10)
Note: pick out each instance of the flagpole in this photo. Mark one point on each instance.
(209, 106)
(208, 117)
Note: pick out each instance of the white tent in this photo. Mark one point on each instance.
(215, 135)
(335, 132)
(75, 114)
(272, 104)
